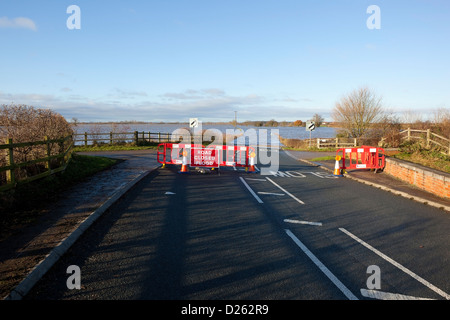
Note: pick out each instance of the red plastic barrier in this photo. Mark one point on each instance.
(201, 156)
(364, 157)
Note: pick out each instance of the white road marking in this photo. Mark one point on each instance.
(322, 267)
(286, 174)
(323, 175)
(251, 191)
(375, 294)
(398, 265)
(255, 179)
(271, 193)
(296, 174)
(289, 194)
(303, 222)
(168, 192)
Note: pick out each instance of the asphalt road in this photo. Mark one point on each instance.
(299, 233)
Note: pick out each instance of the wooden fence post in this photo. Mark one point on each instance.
(60, 151)
(136, 138)
(10, 174)
(85, 139)
(110, 138)
(428, 137)
(48, 163)
(409, 134)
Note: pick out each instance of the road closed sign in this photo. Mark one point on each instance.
(201, 157)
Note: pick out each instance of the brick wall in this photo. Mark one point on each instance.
(424, 178)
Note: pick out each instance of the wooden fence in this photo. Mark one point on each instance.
(336, 142)
(63, 158)
(430, 138)
(136, 137)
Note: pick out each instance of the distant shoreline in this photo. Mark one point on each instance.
(246, 123)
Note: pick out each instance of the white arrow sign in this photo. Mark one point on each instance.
(310, 125)
(193, 122)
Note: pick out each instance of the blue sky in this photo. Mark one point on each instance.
(170, 60)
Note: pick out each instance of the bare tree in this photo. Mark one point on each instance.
(358, 111)
(410, 117)
(441, 121)
(318, 119)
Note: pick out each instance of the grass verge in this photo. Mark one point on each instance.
(324, 158)
(115, 147)
(426, 158)
(27, 202)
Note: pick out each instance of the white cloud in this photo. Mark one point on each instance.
(206, 104)
(18, 23)
(127, 94)
(195, 94)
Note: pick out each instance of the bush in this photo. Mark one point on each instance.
(411, 147)
(23, 123)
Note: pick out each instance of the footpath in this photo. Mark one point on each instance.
(27, 256)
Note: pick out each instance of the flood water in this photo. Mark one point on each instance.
(269, 134)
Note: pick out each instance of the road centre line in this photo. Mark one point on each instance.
(289, 194)
(322, 267)
(271, 193)
(251, 191)
(303, 222)
(398, 265)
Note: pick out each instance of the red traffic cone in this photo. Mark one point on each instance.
(184, 166)
(252, 162)
(337, 169)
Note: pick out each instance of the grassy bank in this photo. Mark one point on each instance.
(25, 203)
(427, 158)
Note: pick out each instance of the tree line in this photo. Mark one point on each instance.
(318, 120)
